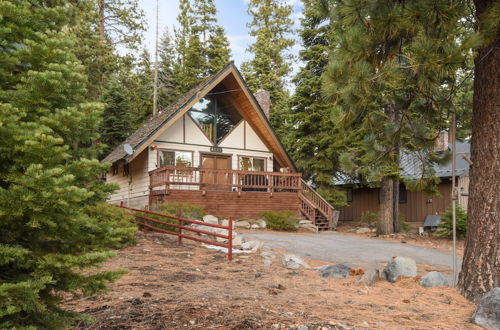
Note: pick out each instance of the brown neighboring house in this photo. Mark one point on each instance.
(214, 147)
(415, 206)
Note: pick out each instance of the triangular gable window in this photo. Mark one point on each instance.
(215, 115)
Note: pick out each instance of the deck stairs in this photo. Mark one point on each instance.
(315, 208)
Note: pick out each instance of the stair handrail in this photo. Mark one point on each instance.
(321, 204)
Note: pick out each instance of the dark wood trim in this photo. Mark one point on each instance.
(204, 145)
(245, 135)
(231, 131)
(184, 129)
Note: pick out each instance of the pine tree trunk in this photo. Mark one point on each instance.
(480, 269)
(102, 35)
(395, 206)
(385, 221)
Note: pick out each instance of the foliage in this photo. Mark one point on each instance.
(178, 209)
(445, 228)
(280, 220)
(369, 218)
(54, 231)
(404, 226)
(271, 26)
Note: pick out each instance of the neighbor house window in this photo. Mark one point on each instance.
(402, 194)
(252, 164)
(348, 195)
(176, 158)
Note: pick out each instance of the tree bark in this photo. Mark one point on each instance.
(395, 206)
(385, 222)
(480, 268)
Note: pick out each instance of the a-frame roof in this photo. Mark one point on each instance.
(232, 81)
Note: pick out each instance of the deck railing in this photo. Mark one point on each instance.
(319, 202)
(192, 178)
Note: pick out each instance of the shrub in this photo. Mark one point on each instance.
(188, 211)
(404, 226)
(280, 220)
(369, 218)
(445, 228)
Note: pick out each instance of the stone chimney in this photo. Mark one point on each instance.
(264, 98)
(442, 141)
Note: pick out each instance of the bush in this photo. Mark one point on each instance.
(188, 211)
(445, 228)
(404, 226)
(280, 220)
(369, 218)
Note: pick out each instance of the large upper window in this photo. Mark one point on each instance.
(215, 115)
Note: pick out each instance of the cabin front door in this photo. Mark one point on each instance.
(218, 179)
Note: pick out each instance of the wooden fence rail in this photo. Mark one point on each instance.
(143, 215)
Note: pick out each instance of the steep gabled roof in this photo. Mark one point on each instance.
(154, 126)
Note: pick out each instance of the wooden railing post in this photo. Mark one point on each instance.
(179, 238)
(230, 239)
(167, 180)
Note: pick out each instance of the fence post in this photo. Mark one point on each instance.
(179, 238)
(121, 204)
(230, 239)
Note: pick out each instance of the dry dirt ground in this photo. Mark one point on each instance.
(192, 287)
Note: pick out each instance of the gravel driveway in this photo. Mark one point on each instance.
(352, 250)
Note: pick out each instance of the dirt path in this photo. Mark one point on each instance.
(191, 287)
(352, 250)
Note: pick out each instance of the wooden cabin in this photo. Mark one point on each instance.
(214, 147)
(415, 206)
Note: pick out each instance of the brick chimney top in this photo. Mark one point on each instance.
(264, 98)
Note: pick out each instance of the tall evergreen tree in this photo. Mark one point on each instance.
(312, 142)
(271, 26)
(166, 71)
(386, 78)
(53, 228)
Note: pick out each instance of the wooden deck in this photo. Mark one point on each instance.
(241, 194)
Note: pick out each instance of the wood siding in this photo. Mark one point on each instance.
(418, 204)
(228, 203)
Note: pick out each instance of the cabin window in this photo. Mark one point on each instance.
(216, 116)
(252, 164)
(402, 194)
(176, 158)
(348, 195)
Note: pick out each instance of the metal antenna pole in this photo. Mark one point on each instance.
(155, 88)
(454, 195)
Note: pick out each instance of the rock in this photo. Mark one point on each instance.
(292, 261)
(351, 230)
(487, 313)
(242, 224)
(305, 222)
(262, 224)
(310, 227)
(369, 277)
(433, 279)
(254, 226)
(302, 327)
(267, 262)
(237, 240)
(252, 245)
(363, 230)
(267, 254)
(210, 219)
(335, 271)
(400, 267)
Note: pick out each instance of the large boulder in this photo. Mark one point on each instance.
(237, 240)
(255, 226)
(292, 261)
(211, 219)
(262, 223)
(363, 230)
(310, 227)
(487, 313)
(242, 224)
(335, 271)
(433, 279)
(252, 245)
(369, 277)
(399, 267)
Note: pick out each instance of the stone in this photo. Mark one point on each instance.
(252, 245)
(242, 224)
(210, 219)
(336, 271)
(237, 240)
(304, 222)
(262, 224)
(399, 267)
(369, 277)
(225, 223)
(363, 230)
(292, 261)
(267, 254)
(433, 279)
(302, 327)
(310, 227)
(487, 313)
(254, 226)
(267, 262)
(351, 230)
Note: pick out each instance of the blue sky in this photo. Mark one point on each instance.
(231, 14)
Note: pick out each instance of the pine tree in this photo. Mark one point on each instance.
(386, 78)
(53, 225)
(312, 142)
(166, 71)
(271, 26)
